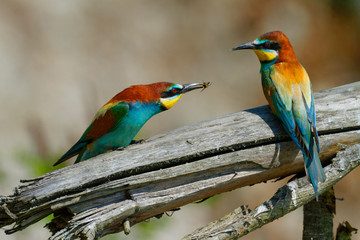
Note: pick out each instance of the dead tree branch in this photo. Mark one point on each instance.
(94, 198)
(293, 195)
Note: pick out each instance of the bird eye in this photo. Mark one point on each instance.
(170, 92)
(266, 44)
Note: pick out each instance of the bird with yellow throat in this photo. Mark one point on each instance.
(287, 88)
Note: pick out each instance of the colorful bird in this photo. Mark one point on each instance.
(287, 88)
(120, 119)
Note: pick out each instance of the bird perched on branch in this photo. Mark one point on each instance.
(287, 88)
(120, 119)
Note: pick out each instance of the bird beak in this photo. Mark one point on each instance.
(249, 45)
(192, 86)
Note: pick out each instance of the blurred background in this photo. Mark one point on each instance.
(60, 61)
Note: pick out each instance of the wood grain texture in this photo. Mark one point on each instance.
(93, 198)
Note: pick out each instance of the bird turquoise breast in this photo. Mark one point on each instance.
(139, 114)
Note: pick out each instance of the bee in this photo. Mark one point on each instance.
(205, 85)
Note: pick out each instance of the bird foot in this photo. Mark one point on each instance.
(137, 141)
(118, 148)
(132, 142)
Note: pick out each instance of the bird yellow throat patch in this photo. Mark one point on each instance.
(266, 56)
(170, 102)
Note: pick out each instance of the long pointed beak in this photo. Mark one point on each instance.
(192, 86)
(249, 45)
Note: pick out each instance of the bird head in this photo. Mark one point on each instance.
(164, 93)
(171, 94)
(271, 47)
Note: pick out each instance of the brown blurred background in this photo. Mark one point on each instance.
(60, 61)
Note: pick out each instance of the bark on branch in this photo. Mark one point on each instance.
(95, 197)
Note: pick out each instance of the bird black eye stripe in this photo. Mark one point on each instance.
(275, 46)
(170, 93)
(270, 45)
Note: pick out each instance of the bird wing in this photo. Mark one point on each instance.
(105, 120)
(308, 100)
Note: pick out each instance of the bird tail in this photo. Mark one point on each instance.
(314, 169)
(74, 150)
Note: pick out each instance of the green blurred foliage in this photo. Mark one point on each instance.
(37, 164)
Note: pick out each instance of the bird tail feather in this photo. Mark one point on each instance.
(74, 150)
(314, 169)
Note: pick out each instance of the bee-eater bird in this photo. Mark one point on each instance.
(120, 119)
(287, 88)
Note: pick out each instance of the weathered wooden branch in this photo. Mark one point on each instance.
(95, 197)
(293, 195)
